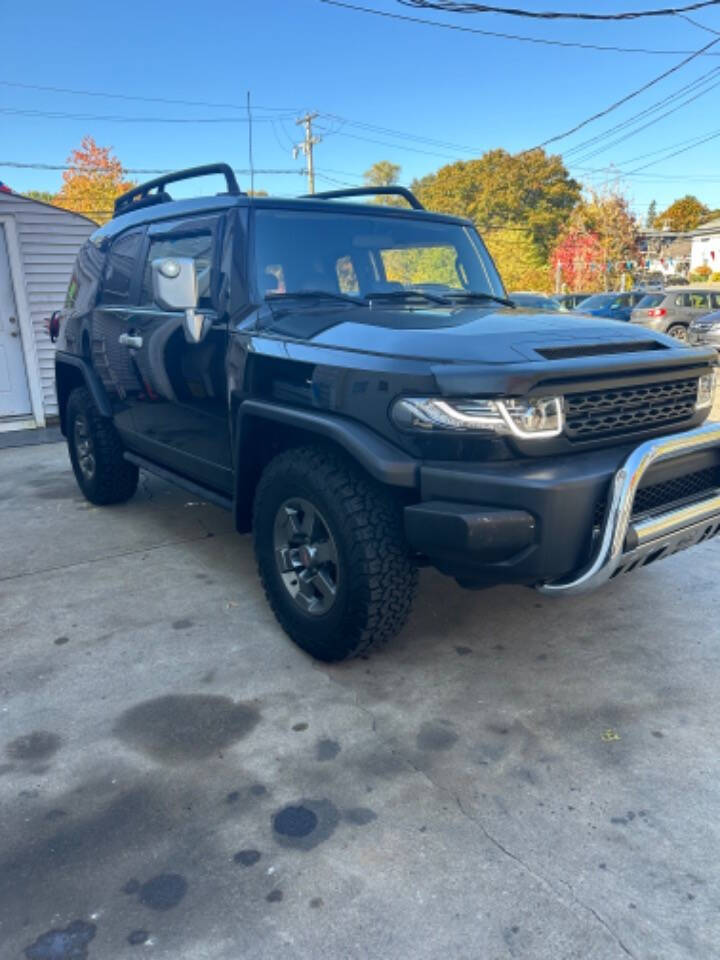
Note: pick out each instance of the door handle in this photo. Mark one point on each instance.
(128, 340)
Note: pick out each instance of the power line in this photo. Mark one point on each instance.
(632, 133)
(115, 118)
(127, 96)
(22, 165)
(629, 96)
(459, 6)
(504, 36)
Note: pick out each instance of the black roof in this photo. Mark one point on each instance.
(178, 208)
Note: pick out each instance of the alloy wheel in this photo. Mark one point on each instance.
(306, 556)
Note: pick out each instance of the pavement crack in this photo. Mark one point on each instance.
(544, 881)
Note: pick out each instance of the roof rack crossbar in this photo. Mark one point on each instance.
(369, 192)
(141, 195)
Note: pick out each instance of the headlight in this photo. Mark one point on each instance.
(534, 418)
(706, 391)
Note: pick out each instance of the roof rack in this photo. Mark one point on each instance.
(369, 192)
(141, 196)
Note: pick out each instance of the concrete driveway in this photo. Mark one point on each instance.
(512, 777)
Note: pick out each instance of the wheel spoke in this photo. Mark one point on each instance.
(324, 585)
(323, 552)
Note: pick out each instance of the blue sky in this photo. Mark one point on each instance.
(470, 92)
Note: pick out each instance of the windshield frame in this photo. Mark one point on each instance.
(486, 263)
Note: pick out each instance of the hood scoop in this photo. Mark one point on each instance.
(598, 349)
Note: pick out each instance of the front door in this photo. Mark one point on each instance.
(14, 390)
(180, 416)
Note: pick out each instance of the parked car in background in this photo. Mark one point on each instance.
(676, 280)
(673, 311)
(705, 331)
(614, 306)
(538, 301)
(570, 301)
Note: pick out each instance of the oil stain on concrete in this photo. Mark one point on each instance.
(163, 892)
(247, 858)
(359, 816)
(436, 735)
(68, 944)
(38, 745)
(306, 824)
(179, 728)
(327, 750)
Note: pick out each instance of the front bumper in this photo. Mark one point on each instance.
(700, 336)
(541, 523)
(624, 546)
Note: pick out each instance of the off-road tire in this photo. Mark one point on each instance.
(114, 479)
(377, 579)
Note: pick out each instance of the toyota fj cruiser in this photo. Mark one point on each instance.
(352, 381)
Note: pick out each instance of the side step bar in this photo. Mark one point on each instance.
(622, 546)
(195, 488)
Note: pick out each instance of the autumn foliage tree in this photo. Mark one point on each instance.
(93, 183)
(684, 214)
(599, 243)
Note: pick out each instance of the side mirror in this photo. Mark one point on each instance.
(175, 287)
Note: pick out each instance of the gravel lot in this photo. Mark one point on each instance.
(512, 777)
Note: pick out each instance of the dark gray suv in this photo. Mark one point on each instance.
(672, 311)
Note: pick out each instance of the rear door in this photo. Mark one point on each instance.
(112, 324)
(180, 416)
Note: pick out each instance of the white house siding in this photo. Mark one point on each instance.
(49, 239)
(706, 246)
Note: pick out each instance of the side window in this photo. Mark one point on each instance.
(121, 269)
(198, 246)
(715, 299)
(699, 301)
(682, 300)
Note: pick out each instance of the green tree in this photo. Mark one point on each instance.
(651, 214)
(684, 214)
(530, 190)
(518, 259)
(382, 174)
(44, 196)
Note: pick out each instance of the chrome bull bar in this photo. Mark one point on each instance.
(622, 545)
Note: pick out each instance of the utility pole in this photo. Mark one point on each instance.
(306, 147)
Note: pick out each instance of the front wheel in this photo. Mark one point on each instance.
(331, 553)
(678, 331)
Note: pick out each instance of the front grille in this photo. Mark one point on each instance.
(603, 413)
(670, 493)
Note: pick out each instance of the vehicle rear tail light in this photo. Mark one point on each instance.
(657, 312)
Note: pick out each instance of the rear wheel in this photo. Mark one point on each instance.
(678, 331)
(96, 452)
(331, 553)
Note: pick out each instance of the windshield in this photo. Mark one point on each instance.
(599, 300)
(536, 300)
(365, 255)
(651, 300)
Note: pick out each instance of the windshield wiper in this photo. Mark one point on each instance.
(401, 295)
(314, 295)
(471, 295)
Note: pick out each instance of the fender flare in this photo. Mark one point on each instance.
(380, 458)
(90, 378)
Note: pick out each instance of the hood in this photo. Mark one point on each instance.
(465, 334)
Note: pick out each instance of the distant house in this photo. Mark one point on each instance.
(706, 246)
(665, 251)
(38, 245)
